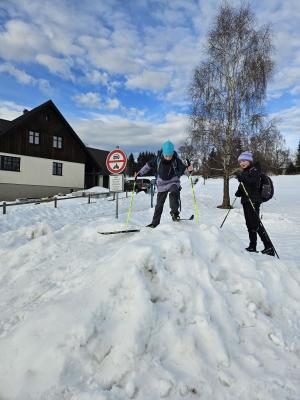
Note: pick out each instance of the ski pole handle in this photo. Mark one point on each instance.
(188, 164)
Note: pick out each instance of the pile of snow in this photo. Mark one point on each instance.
(93, 190)
(176, 312)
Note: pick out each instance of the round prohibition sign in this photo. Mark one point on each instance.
(116, 161)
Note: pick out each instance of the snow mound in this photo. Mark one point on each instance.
(164, 313)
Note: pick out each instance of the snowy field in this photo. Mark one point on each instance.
(177, 312)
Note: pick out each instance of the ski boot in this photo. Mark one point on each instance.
(269, 251)
(251, 249)
(151, 226)
(175, 216)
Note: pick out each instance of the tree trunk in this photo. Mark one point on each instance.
(226, 197)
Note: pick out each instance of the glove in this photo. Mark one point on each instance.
(238, 176)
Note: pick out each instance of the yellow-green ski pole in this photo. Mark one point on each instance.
(130, 207)
(194, 195)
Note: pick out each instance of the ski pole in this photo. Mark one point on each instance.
(261, 224)
(130, 206)
(194, 195)
(231, 207)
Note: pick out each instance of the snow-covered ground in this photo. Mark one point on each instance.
(177, 312)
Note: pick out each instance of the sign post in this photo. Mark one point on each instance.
(116, 163)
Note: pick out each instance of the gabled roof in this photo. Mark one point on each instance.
(100, 158)
(29, 114)
(10, 125)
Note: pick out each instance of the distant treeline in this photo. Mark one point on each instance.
(135, 165)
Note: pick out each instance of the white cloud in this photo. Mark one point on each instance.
(24, 78)
(21, 41)
(115, 60)
(289, 124)
(96, 77)
(287, 78)
(94, 100)
(90, 100)
(55, 65)
(105, 43)
(113, 104)
(149, 80)
(21, 76)
(10, 110)
(107, 131)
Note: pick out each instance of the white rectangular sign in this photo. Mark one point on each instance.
(116, 183)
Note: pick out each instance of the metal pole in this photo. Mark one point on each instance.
(89, 199)
(117, 205)
(55, 202)
(152, 193)
(231, 207)
(4, 207)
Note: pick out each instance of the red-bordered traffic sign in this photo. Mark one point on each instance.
(116, 161)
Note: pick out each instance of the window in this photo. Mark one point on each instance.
(57, 142)
(57, 168)
(8, 163)
(34, 137)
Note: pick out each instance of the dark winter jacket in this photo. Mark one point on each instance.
(251, 179)
(168, 172)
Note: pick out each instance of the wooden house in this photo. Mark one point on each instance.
(41, 155)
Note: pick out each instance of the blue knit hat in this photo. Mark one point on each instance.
(168, 148)
(246, 156)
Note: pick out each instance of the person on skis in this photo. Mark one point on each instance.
(249, 175)
(169, 168)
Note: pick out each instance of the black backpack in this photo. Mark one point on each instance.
(266, 187)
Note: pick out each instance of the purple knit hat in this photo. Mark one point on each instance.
(246, 156)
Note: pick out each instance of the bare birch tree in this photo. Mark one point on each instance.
(229, 87)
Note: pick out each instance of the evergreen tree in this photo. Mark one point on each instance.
(143, 158)
(298, 159)
(291, 169)
(131, 165)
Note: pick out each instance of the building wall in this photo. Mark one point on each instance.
(35, 171)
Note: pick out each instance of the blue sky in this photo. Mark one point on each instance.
(119, 70)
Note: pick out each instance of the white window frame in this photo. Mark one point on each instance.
(34, 137)
(57, 142)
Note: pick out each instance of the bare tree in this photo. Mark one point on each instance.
(269, 147)
(229, 87)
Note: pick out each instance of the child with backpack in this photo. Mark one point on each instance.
(249, 190)
(169, 168)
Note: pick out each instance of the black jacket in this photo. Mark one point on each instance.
(167, 169)
(250, 177)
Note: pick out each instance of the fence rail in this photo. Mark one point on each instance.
(4, 205)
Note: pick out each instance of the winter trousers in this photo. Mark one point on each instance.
(174, 199)
(253, 225)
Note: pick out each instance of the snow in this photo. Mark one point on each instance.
(177, 312)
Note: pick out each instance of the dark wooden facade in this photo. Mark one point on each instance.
(99, 157)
